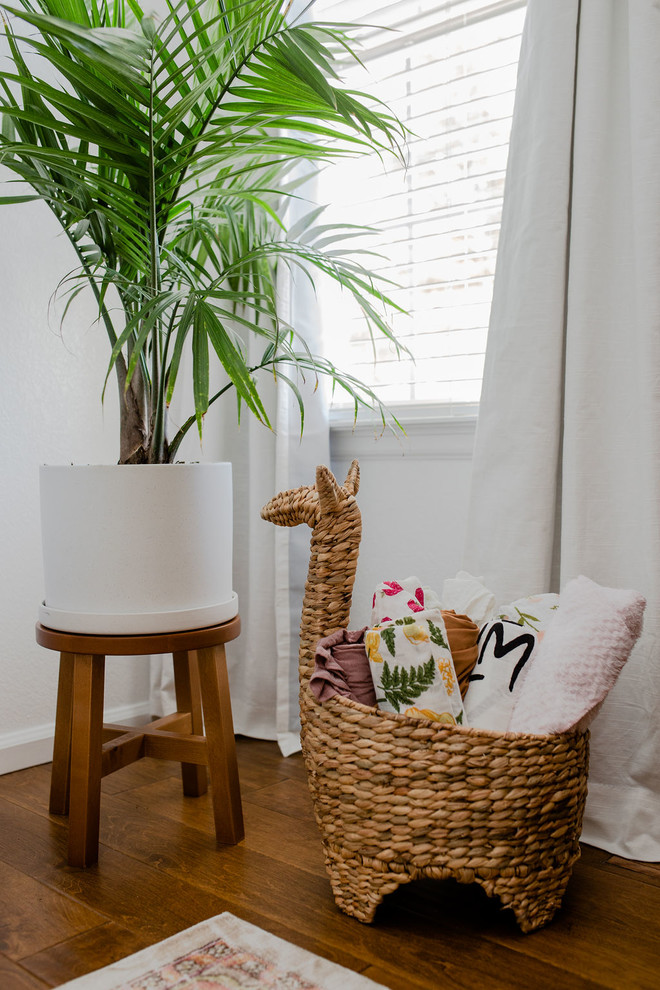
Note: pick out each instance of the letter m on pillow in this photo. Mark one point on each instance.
(504, 649)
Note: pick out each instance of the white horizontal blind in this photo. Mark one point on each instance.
(449, 72)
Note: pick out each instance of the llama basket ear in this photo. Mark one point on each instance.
(327, 488)
(352, 483)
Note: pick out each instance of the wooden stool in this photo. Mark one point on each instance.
(85, 750)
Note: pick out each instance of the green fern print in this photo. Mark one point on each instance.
(402, 686)
(388, 635)
(525, 619)
(436, 636)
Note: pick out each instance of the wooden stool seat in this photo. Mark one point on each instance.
(198, 735)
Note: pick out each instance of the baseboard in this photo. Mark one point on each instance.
(30, 747)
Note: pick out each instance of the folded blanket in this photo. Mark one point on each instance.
(395, 599)
(412, 668)
(467, 595)
(579, 659)
(462, 636)
(506, 646)
(341, 668)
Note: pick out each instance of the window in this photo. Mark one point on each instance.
(449, 71)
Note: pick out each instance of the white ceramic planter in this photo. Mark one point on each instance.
(135, 549)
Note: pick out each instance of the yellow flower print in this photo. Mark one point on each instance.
(414, 633)
(445, 668)
(445, 718)
(372, 644)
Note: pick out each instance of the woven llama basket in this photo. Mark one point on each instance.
(398, 798)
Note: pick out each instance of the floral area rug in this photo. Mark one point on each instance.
(223, 953)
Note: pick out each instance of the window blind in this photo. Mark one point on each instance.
(449, 71)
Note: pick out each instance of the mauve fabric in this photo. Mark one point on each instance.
(342, 667)
(462, 634)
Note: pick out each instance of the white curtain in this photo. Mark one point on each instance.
(270, 562)
(567, 458)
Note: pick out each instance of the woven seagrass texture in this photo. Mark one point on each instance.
(398, 798)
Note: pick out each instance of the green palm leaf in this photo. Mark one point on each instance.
(166, 149)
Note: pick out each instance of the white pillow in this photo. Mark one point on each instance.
(506, 646)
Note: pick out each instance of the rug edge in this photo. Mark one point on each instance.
(309, 965)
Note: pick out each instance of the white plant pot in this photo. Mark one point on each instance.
(136, 549)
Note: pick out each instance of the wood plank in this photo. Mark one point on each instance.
(263, 828)
(262, 761)
(644, 872)
(131, 893)
(84, 953)
(28, 788)
(143, 772)
(550, 978)
(608, 927)
(288, 797)
(14, 977)
(23, 930)
(396, 980)
(260, 765)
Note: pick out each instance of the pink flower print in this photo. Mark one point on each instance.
(391, 588)
(419, 595)
(386, 618)
(373, 604)
(415, 606)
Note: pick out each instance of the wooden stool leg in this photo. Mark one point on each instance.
(221, 745)
(189, 699)
(86, 743)
(61, 772)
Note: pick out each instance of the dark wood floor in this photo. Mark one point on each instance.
(160, 872)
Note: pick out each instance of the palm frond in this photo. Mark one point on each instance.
(167, 148)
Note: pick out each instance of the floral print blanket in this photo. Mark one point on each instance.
(410, 659)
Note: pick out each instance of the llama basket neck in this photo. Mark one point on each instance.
(334, 551)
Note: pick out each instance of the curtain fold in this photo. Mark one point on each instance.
(567, 456)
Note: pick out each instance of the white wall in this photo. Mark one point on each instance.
(413, 498)
(50, 411)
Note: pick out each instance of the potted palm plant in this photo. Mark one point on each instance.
(169, 147)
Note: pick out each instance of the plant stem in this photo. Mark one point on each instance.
(132, 432)
(157, 453)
